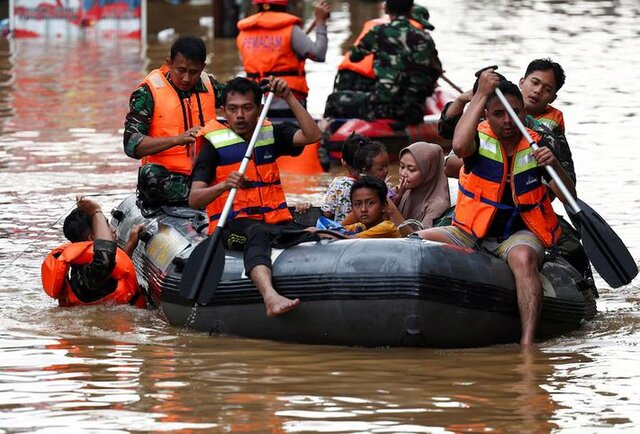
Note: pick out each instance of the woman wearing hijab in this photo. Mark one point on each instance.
(423, 194)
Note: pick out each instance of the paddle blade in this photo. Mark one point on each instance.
(606, 251)
(204, 269)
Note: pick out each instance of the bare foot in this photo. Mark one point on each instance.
(276, 304)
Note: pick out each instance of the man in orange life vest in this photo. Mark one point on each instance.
(101, 273)
(503, 205)
(166, 111)
(272, 43)
(360, 76)
(260, 214)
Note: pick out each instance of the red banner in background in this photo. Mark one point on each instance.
(77, 18)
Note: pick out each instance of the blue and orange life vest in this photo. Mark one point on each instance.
(55, 276)
(552, 119)
(481, 190)
(264, 43)
(173, 116)
(365, 66)
(262, 198)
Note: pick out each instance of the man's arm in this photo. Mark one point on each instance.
(202, 193)
(309, 131)
(137, 143)
(303, 46)
(365, 46)
(464, 136)
(546, 157)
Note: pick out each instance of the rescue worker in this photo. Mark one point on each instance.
(91, 269)
(360, 76)
(272, 43)
(259, 215)
(406, 67)
(165, 112)
(503, 205)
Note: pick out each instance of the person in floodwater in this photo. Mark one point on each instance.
(260, 213)
(272, 42)
(165, 112)
(91, 269)
(503, 205)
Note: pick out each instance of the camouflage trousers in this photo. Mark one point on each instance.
(349, 80)
(157, 186)
(363, 105)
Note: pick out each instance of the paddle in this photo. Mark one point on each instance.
(605, 249)
(200, 279)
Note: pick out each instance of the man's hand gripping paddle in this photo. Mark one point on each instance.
(205, 265)
(605, 249)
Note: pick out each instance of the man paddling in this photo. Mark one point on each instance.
(259, 214)
(503, 205)
(165, 112)
(540, 85)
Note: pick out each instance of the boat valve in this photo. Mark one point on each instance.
(117, 214)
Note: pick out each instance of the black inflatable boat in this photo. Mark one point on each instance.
(367, 292)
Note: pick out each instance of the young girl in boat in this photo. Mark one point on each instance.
(360, 156)
(423, 193)
(369, 206)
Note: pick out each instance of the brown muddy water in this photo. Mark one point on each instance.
(108, 369)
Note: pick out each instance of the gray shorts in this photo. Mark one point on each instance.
(499, 248)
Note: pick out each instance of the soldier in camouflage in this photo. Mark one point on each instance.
(156, 185)
(406, 65)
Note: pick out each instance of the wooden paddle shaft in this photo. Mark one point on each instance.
(245, 161)
(554, 175)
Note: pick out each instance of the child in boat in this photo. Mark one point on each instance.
(369, 203)
(91, 269)
(360, 156)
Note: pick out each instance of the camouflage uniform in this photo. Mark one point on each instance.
(407, 66)
(156, 185)
(553, 139)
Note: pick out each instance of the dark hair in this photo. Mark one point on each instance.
(350, 145)
(77, 226)
(545, 65)
(242, 86)
(374, 183)
(272, 8)
(507, 88)
(399, 7)
(364, 155)
(191, 47)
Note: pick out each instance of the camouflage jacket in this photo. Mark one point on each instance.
(138, 120)
(406, 61)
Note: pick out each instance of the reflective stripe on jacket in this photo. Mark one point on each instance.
(55, 281)
(173, 116)
(365, 66)
(481, 190)
(262, 198)
(552, 119)
(264, 43)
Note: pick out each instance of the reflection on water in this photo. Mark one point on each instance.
(62, 106)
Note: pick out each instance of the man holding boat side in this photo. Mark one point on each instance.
(259, 214)
(503, 204)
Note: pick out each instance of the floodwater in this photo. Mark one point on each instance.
(115, 369)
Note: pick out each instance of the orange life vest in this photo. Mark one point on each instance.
(553, 119)
(264, 43)
(263, 197)
(365, 66)
(481, 190)
(55, 281)
(173, 116)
